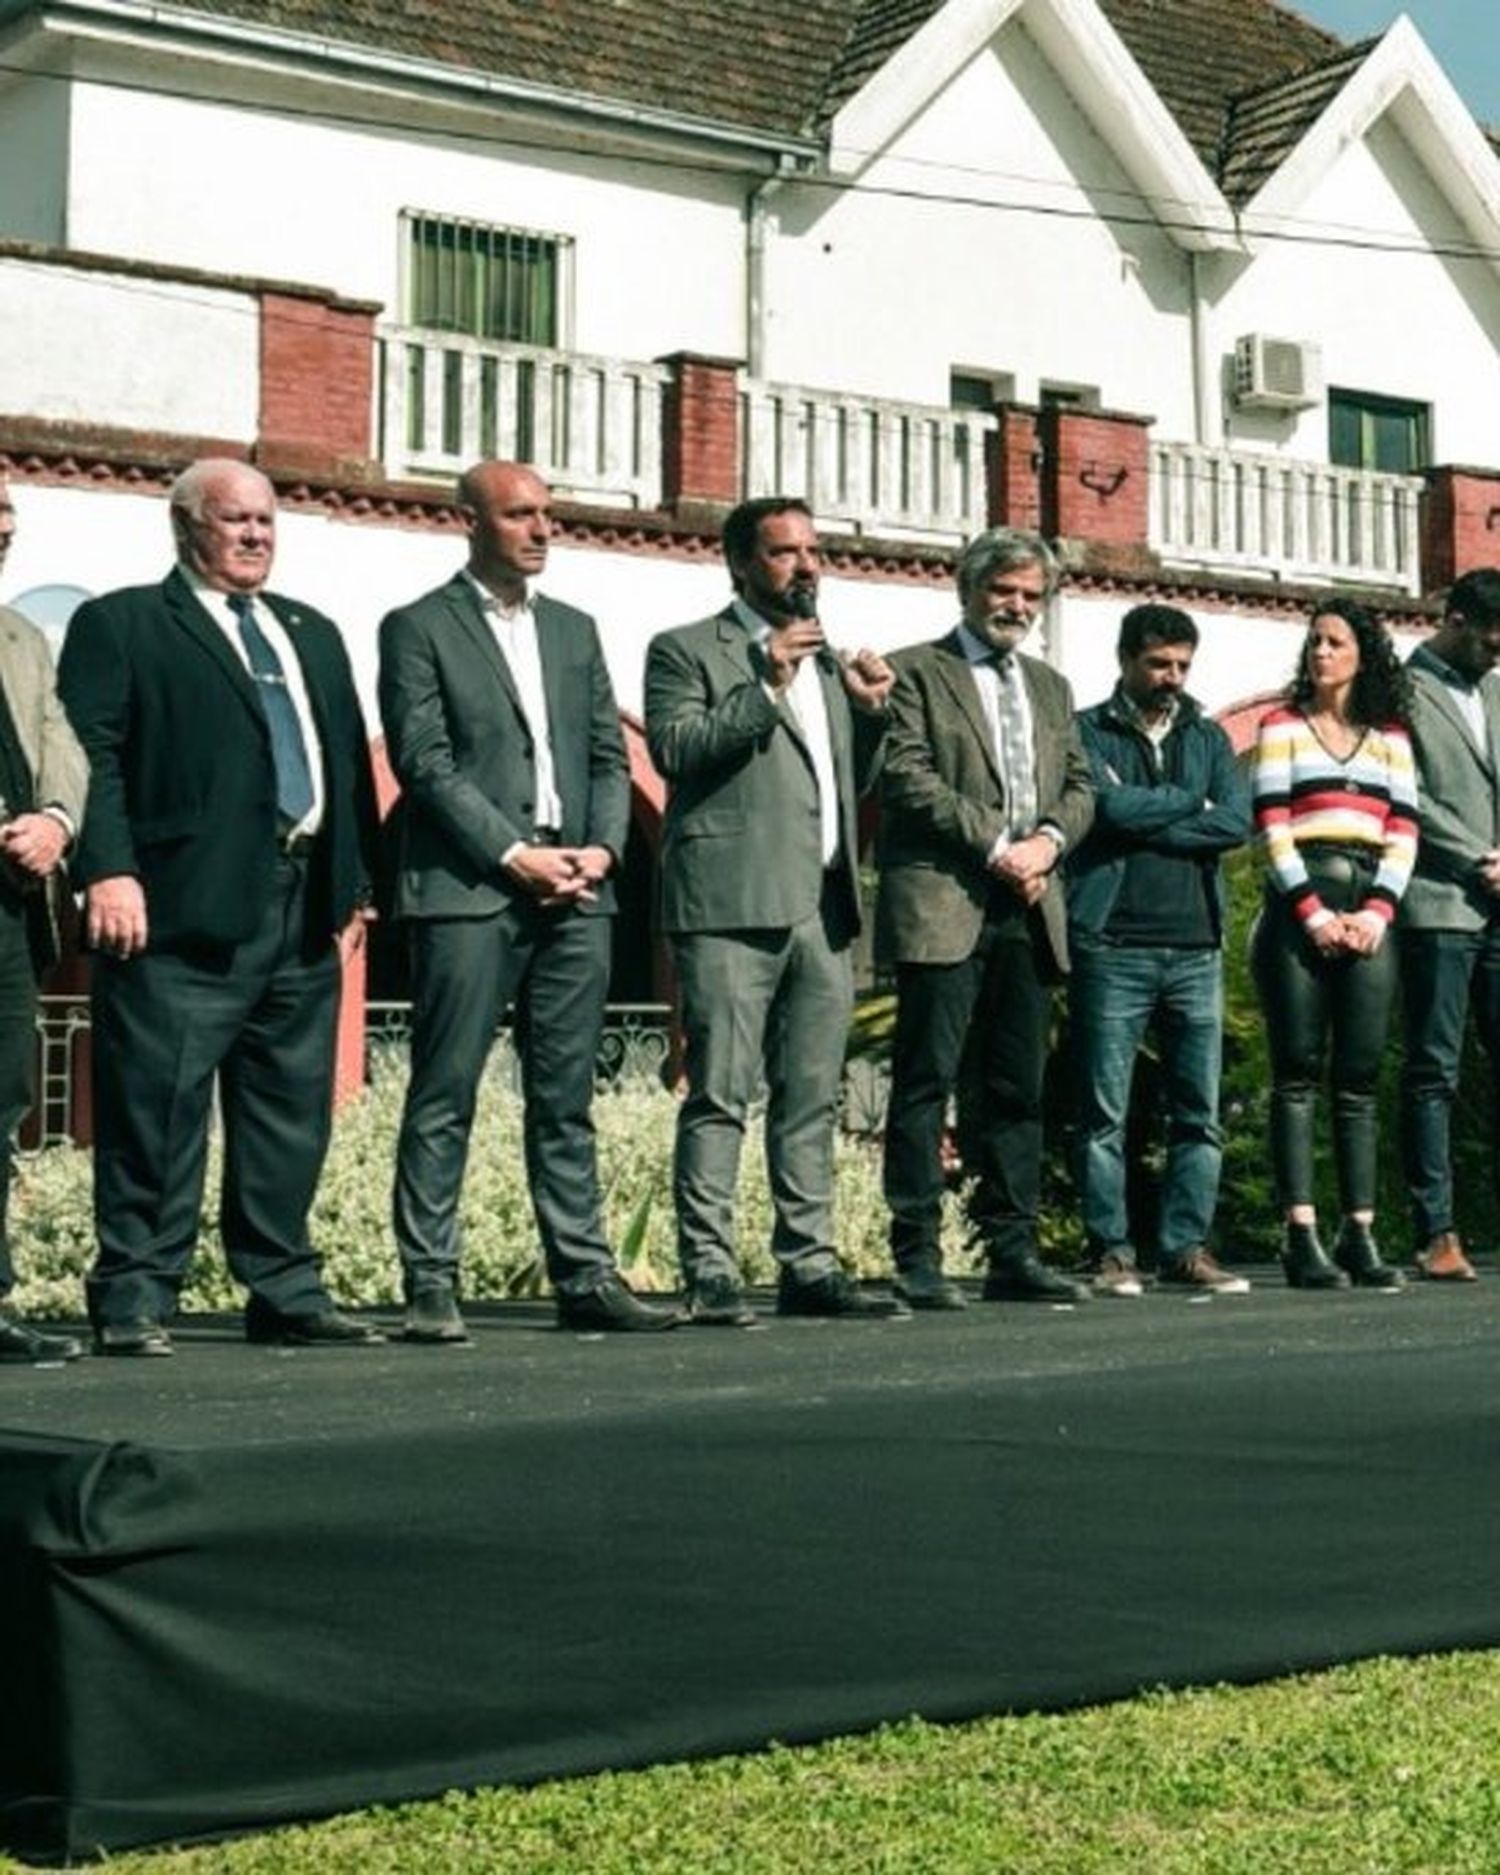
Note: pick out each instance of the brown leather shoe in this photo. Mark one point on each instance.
(1443, 1261)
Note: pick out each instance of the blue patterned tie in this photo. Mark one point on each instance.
(294, 789)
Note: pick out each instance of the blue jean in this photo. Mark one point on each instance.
(1117, 991)
(1443, 974)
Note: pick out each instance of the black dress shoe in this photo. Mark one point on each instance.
(1028, 1279)
(612, 1309)
(719, 1302)
(432, 1317)
(138, 1337)
(924, 1286)
(833, 1295)
(319, 1328)
(27, 1346)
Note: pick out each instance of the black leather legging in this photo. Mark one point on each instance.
(1309, 999)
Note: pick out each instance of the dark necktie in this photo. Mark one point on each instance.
(294, 789)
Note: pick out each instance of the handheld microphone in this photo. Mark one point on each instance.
(802, 599)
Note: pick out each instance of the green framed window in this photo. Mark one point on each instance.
(485, 282)
(1390, 434)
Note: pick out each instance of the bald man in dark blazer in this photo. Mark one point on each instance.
(985, 786)
(502, 729)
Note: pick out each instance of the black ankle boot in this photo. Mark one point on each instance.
(1307, 1263)
(1357, 1252)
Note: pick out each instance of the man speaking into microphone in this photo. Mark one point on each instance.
(766, 739)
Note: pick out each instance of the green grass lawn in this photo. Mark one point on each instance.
(1388, 1766)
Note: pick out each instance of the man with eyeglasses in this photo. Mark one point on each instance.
(985, 787)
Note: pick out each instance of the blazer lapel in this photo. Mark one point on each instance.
(1441, 696)
(186, 611)
(963, 687)
(463, 603)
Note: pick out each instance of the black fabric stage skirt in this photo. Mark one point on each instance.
(251, 1585)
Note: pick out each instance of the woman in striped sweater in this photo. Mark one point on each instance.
(1336, 807)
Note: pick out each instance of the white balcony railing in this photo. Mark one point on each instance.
(865, 465)
(1260, 514)
(591, 426)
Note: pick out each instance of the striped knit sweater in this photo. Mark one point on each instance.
(1301, 792)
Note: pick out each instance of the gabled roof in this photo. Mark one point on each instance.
(1202, 54)
(1265, 126)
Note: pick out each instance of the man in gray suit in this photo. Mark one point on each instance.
(43, 778)
(985, 787)
(501, 727)
(766, 738)
(1450, 938)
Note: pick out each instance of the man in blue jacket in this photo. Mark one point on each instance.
(1146, 930)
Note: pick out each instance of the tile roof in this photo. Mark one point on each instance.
(783, 66)
(1266, 126)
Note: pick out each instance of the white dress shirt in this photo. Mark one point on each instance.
(804, 701)
(514, 629)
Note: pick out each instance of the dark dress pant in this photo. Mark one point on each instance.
(553, 968)
(259, 1018)
(18, 1046)
(980, 1029)
(1444, 975)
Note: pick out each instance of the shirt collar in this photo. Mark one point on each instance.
(491, 602)
(1450, 674)
(758, 626)
(979, 651)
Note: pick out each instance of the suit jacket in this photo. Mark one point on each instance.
(943, 804)
(1458, 791)
(59, 767)
(462, 749)
(183, 792)
(742, 842)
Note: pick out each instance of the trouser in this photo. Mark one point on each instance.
(1444, 974)
(978, 1028)
(261, 1019)
(757, 1005)
(1115, 993)
(1321, 1011)
(17, 1055)
(553, 967)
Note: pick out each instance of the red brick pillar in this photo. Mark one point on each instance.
(700, 432)
(1095, 477)
(317, 375)
(1460, 524)
(1013, 464)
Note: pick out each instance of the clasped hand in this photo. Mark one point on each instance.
(561, 875)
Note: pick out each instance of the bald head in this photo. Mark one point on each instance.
(507, 509)
(224, 523)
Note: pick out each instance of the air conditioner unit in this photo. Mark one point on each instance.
(1276, 374)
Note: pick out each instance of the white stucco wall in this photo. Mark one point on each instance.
(1392, 316)
(657, 252)
(128, 351)
(974, 240)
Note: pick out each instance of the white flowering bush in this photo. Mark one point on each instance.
(52, 1204)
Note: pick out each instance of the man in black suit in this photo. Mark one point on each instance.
(43, 778)
(224, 861)
(502, 729)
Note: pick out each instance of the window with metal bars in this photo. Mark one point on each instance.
(486, 282)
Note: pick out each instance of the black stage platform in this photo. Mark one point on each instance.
(246, 1585)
